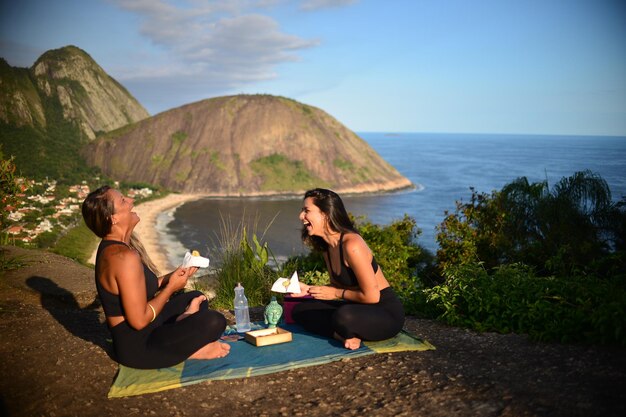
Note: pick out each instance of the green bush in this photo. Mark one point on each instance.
(8, 186)
(308, 265)
(569, 229)
(511, 298)
(404, 263)
(529, 259)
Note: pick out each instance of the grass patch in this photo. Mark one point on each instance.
(9, 263)
(241, 262)
(179, 137)
(282, 174)
(78, 244)
(342, 164)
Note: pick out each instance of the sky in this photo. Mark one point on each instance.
(446, 66)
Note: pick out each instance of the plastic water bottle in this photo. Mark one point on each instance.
(242, 314)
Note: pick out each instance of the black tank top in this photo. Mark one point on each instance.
(112, 303)
(346, 276)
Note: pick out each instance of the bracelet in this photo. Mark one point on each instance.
(153, 312)
(342, 294)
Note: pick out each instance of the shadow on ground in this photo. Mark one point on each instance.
(63, 306)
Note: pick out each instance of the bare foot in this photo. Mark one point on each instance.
(352, 343)
(212, 351)
(193, 307)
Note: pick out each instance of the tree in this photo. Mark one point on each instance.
(9, 188)
(572, 227)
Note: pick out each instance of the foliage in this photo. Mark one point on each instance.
(282, 174)
(394, 246)
(243, 263)
(570, 229)
(511, 298)
(46, 239)
(311, 268)
(179, 137)
(9, 263)
(9, 188)
(343, 164)
(530, 259)
(50, 147)
(404, 263)
(52, 152)
(78, 243)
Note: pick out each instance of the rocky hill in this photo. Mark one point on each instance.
(68, 76)
(49, 110)
(244, 145)
(65, 112)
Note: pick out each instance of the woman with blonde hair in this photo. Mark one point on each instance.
(152, 325)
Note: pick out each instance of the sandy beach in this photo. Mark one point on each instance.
(146, 228)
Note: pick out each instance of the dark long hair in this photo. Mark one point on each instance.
(331, 205)
(97, 210)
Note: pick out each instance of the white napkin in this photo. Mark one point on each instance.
(287, 285)
(199, 261)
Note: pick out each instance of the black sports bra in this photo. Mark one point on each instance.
(346, 276)
(112, 303)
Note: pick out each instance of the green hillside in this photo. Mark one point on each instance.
(46, 152)
(51, 110)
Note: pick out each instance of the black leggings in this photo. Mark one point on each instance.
(347, 319)
(166, 342)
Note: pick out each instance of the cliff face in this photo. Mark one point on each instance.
(67, 78)
(20, 104)
(244, 145)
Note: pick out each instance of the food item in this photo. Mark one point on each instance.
(195, 253)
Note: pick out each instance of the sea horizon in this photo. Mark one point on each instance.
(442, 166)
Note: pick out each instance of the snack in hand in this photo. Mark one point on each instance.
(194, 259)
(287, 285)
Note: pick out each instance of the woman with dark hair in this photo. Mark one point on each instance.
(151, 327)
(358, 304)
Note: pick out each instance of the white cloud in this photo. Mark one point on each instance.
(216, 39)
(324, 4)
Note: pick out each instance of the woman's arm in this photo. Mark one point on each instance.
(131, 283)
(359, 257)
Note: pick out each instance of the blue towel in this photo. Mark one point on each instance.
(247, 360)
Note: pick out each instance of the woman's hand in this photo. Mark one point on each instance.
(178, 278)
(304, 290)
(323, 292)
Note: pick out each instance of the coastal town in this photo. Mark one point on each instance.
(45, 208)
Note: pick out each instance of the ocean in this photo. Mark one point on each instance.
(443, 167)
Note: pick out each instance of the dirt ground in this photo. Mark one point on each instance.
(55, 363)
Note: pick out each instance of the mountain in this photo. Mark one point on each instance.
(243, 145)
(48, 111)
(65, 115)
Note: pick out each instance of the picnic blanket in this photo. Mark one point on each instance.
(246, 360)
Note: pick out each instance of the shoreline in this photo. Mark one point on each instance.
(149, 211)
(146, 228)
